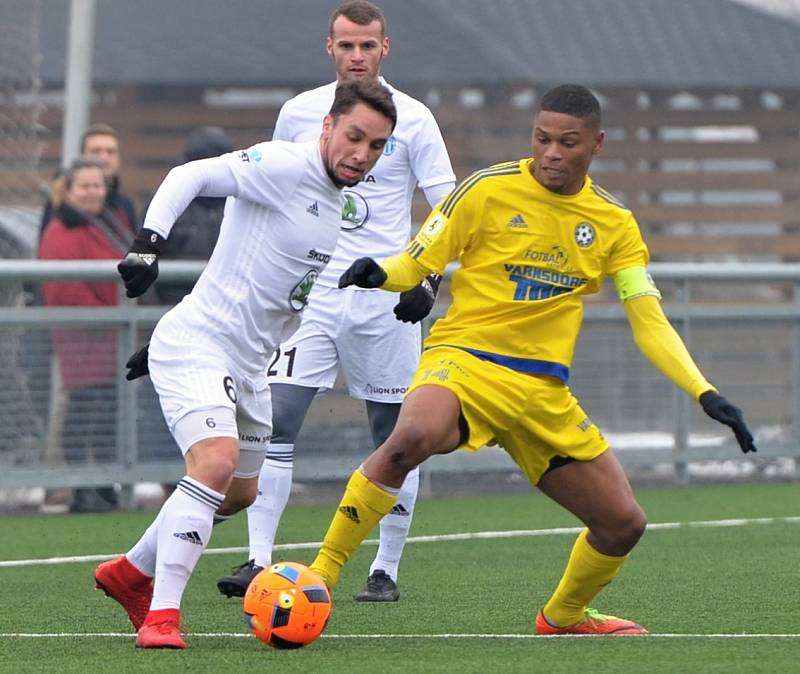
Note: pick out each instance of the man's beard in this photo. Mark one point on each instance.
(337, 181)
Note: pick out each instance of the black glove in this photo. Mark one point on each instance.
(719, 409)
(139, 268)
(137, 363)
(417, 303)
(364, 273)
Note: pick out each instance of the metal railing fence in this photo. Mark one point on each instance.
(741, 321)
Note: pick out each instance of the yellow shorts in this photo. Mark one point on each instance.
(535, 419)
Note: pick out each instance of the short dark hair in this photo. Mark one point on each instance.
(369, 92)
(98, 130)
(574, 100)
(360, 12)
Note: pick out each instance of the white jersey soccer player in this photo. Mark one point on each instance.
(208, 355)
(377, 213)
(353, 329)
(275, 239)
(357, 330)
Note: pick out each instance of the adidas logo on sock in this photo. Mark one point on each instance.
(517, 222)
(191, 536)
(351, 513)
(313, 209)
(398, 509)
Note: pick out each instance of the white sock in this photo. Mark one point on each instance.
(395, 526)
(143, 554)
(274, 487)
(183, 534)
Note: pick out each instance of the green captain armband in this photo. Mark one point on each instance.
(634, 282)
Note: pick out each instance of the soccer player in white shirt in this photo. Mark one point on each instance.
(208, 356)
(354, 329)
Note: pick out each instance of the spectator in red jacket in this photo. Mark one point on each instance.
(84, 228)
(101, 143)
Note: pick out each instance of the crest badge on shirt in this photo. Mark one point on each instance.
(390, 147)
(584, 234)
(248, 155)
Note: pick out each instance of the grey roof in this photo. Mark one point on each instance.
(598, 42)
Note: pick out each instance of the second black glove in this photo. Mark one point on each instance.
(417, 303)
(138, 363)
(719, 409)
(139, 268)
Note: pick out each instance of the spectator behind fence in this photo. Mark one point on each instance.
(195, 232)
(84, 228)
(101, 143)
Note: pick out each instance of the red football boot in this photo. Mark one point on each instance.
(126, 585)
(161, 629)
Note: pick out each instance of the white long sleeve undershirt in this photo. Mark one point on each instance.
(435, 193)
(202, 178)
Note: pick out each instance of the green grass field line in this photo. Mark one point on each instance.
(438, 538)
(718, 599)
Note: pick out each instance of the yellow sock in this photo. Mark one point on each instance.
(363, 505)
(588, 571)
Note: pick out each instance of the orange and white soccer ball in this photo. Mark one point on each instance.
(287, 605)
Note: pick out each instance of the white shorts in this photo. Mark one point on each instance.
(356, 330)
(203, 396)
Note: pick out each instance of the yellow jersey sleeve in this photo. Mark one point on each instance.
(447, 231)
(402, 272)
(629, 250)
(439, 241)
(662, 346)
(634, 282)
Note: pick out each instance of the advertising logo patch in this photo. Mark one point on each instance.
(299, 295)
(355, 213)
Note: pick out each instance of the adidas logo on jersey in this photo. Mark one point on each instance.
(351, 513)
(191, 536)
(313, 209)
(517, 222)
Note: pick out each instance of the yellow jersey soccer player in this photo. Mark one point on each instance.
(532, 237)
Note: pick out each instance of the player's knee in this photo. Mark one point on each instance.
(218, 474)
(636, 526)
(289, 406)
(620, 530)
(284, 431)
(631, 527)
(382, 420)
(408, 447)
(213, 468)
